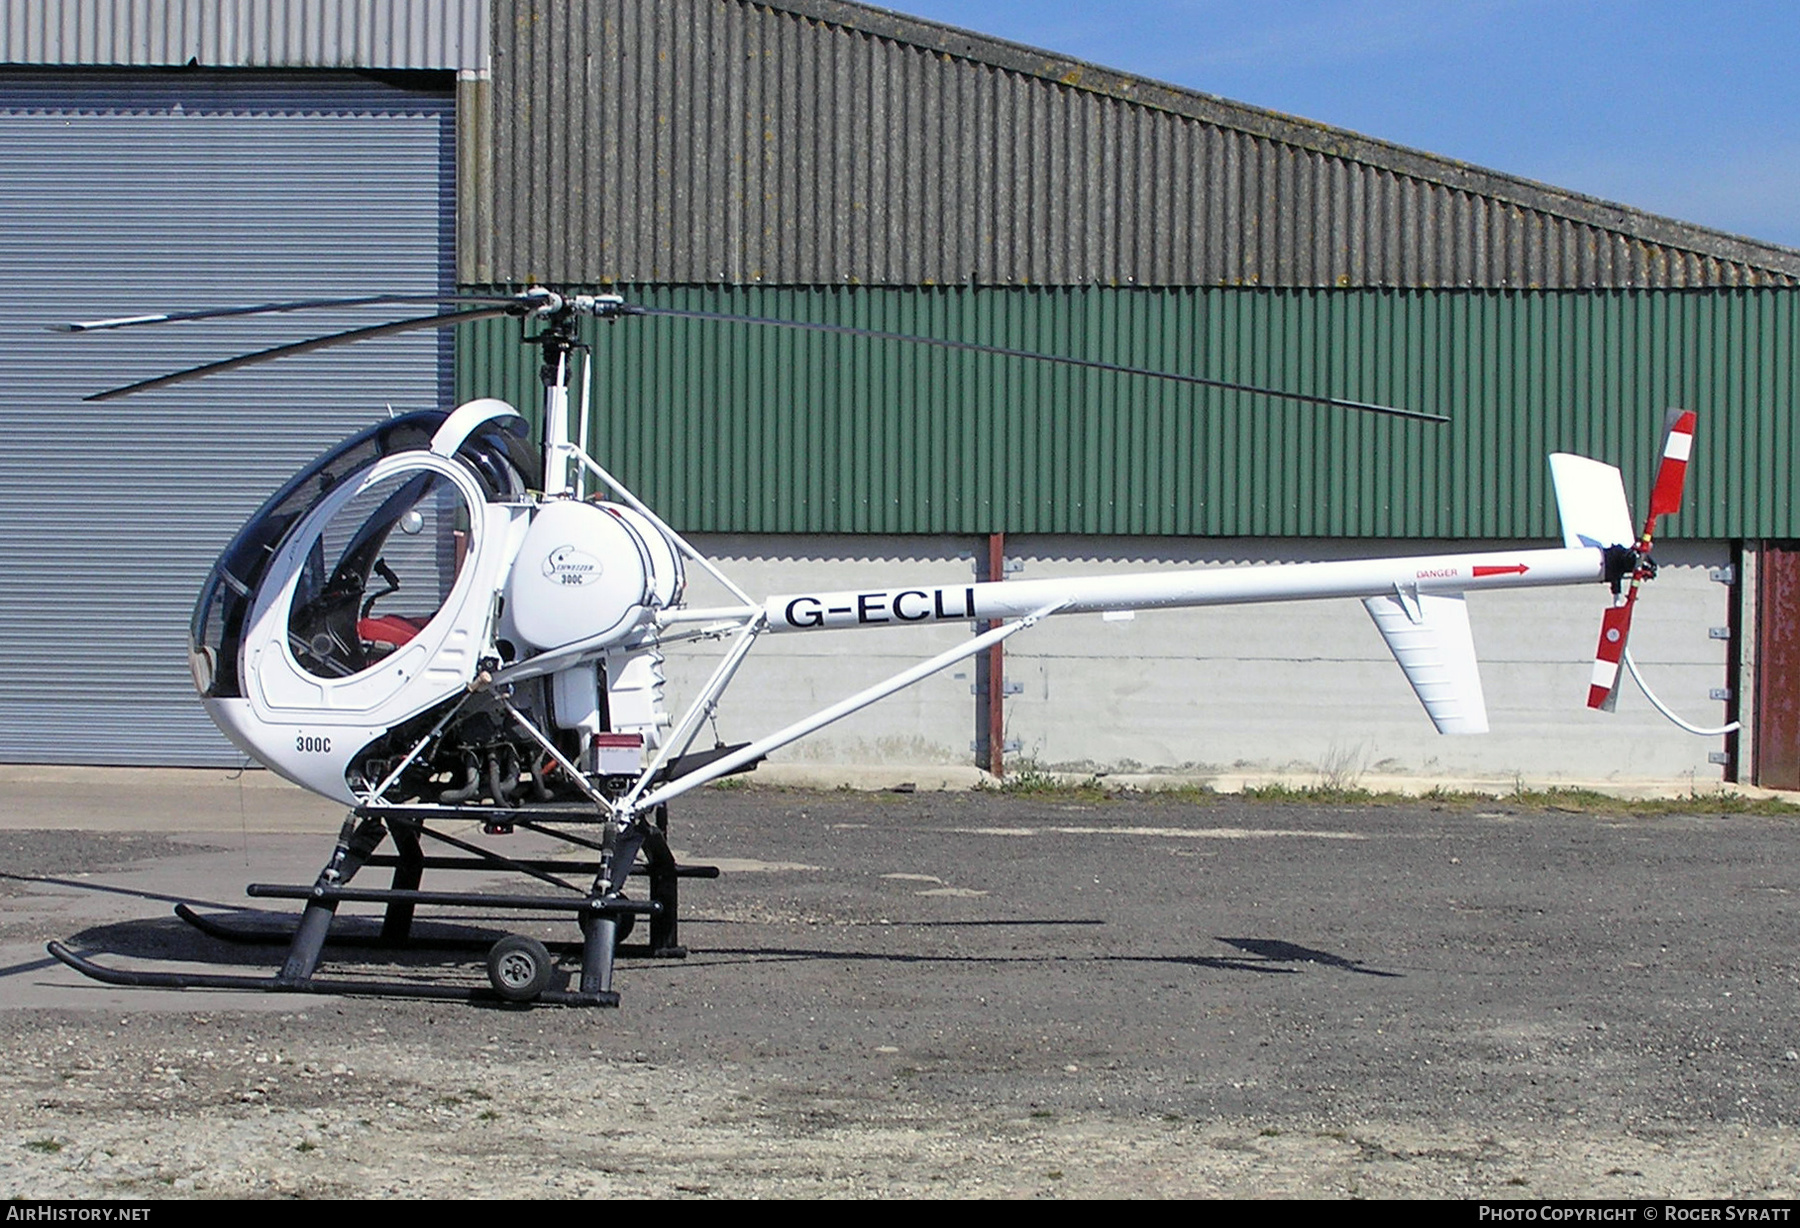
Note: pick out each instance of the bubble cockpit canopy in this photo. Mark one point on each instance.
(499, 454)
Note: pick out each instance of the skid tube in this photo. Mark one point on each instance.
(519, 968)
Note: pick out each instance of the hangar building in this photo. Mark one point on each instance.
(806, 159)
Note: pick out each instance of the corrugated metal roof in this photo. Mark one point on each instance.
(735, 428)
(817, 142)
(387, 34)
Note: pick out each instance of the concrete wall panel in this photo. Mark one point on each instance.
(1310, 687)
(1306, 688)
(788, 677)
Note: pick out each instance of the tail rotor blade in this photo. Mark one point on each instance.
(1671, 473)
(1665, 499)
(1615, 629)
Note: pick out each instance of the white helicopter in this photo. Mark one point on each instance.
(433, 622)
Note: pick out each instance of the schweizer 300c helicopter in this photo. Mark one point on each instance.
(432, 623)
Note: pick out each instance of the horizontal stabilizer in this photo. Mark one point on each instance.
(1429, 635)
(1590, 499)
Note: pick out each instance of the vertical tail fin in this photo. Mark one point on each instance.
(1590, 501)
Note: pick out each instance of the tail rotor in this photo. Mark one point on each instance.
(1629, 566)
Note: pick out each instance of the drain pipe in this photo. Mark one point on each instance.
(996, 669)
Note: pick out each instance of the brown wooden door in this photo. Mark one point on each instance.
(1777, 726)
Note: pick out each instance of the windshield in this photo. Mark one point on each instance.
(400, 544)
(497, 452)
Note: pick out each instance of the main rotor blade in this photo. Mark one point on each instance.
(299, 304)
(440, 320)
(1004, 352)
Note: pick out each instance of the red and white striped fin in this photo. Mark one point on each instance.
(1671, 474)
(1665, 499)
(1615, 629)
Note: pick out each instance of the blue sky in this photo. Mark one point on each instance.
(1686, 109)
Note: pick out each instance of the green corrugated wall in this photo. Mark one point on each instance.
(738, 428)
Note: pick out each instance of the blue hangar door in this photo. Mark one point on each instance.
(126, 193)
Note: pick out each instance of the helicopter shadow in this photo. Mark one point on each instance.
(1267, 951)
(109, 889)
(435, 947)
(261, 937)
(171, 937)
(1263, 956)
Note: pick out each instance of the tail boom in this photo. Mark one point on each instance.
(1359, 578)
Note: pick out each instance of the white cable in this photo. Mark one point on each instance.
(1658, 705)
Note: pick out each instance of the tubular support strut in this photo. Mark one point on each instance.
(602, 913)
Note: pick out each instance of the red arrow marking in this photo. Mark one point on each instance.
(1517, 569)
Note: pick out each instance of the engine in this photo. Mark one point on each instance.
(476, 753)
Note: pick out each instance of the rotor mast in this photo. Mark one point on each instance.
(556, 344)
(558, 316)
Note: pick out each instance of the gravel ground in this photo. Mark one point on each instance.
(967, 994)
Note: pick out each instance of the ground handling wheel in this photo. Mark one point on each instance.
(519, 967)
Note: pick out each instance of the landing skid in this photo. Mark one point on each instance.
(519, 968)
(137, 979)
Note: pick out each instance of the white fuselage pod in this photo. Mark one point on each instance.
(328, 665)
(1425, 574)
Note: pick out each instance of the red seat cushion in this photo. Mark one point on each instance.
(395, 629)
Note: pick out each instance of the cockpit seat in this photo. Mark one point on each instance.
(390, 629)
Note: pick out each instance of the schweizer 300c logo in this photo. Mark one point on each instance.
(567, 565)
